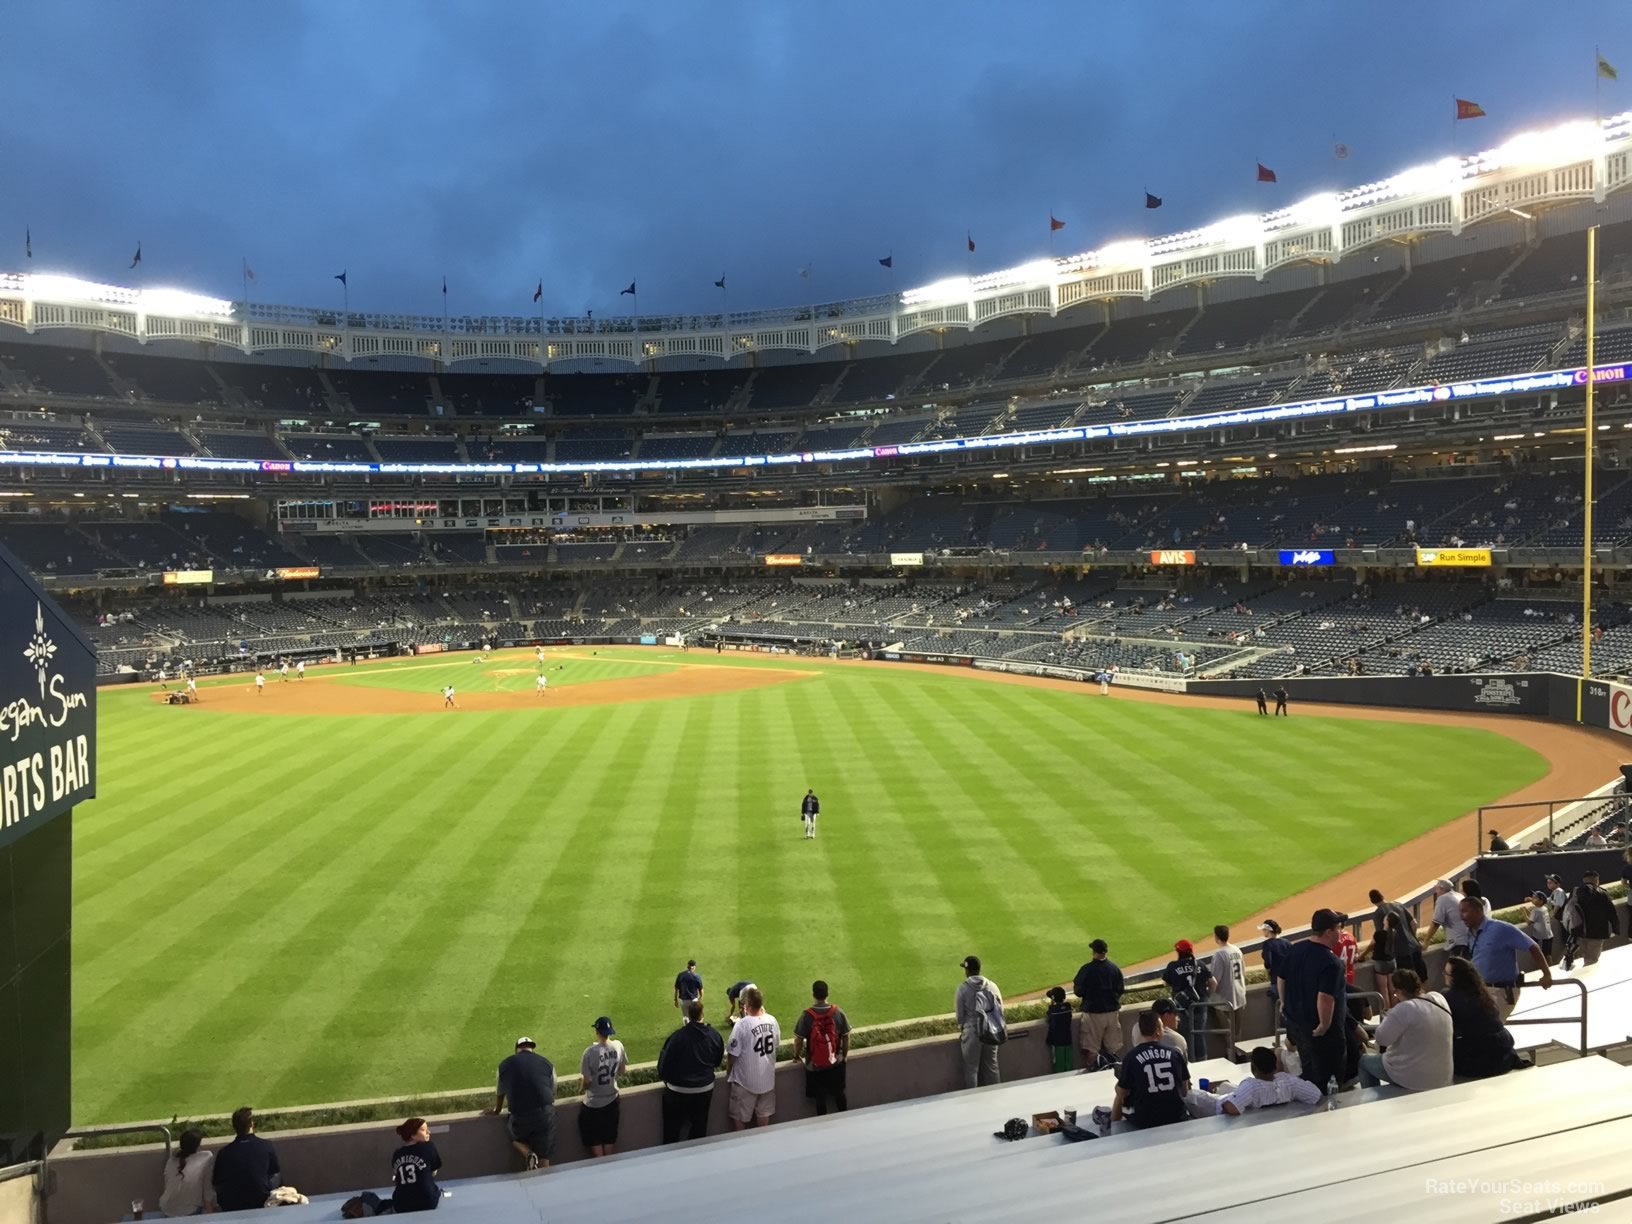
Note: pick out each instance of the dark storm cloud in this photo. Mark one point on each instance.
(591, 144)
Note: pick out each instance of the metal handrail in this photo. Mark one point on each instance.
(28, 1168)
(1582, 1019)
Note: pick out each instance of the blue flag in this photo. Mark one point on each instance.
(629, 290)
(341, 277)
(138, 256)
(1152, 201)
(887, 262)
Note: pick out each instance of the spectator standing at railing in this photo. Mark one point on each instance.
(1229, 994)
(603, 1061)
(1448, 918)
(686, 1065)
(1188, 979)
(1274, 949)
(1098, 987)
(978, 1006)
(1495, 947)
(1598, 920)
(1314, 996)
(526, 1080)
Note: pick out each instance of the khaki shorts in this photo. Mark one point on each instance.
(744, 1106)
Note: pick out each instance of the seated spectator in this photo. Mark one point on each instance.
(187, 1178)
(1168, 1014)
(1153, 1081)
(414, 1167)
(1480, 1046)
(1415, 1037)
(246, 1170)
(1269, 1084)
(527, 1081)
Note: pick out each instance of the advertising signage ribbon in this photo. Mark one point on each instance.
(1307, 556)
(784, 559)
(1173, 556)
(1431, 557)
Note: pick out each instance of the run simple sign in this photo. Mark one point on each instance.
(47, 706)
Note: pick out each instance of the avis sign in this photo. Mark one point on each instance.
(47, 706)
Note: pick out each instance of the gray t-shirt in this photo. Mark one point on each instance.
(601, 1066)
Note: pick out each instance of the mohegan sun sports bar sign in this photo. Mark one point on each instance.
(47, 706)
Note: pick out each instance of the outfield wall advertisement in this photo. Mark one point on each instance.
(1518, 693)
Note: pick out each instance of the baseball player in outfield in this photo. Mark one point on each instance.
(809, 808)
(260, 683)
(448, 703)
(283, 670)
(540, 653)
(542, 683)
(300, 670)
(192, 688)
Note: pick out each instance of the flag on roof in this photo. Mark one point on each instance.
(539, 292)
(1469, 110)
(1152, 201)
(444, 286)
(1266, 175)
(1054, 223)
(28, 243)
(720, 284)
(1607, 69)
(137, 258)
(341, 277)
(630, 290)
(249, 272)
(887, 262)
(971, 238)
(1340, 151)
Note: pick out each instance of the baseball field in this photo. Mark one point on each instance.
(339, 889)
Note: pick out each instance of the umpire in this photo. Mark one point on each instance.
(1280, 700)
(1263, 702)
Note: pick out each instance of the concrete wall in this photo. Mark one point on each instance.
(19, 1202)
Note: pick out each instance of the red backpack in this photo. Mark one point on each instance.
(824, 1037)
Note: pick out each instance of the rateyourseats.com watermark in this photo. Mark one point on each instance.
(1516, 1197)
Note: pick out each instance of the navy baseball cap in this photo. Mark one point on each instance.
(971, 964)
(1099, 945)
(1324, 920)
(603, 1026)
(1164, 1007)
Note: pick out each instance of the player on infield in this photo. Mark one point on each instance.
(750, 1059)
(300, 670)
(541, 683)
(809, 808)
(448, 703)
(260, 682)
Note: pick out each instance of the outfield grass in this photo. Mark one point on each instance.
(281, 910)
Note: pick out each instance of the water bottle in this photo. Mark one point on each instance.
(1331, 1094)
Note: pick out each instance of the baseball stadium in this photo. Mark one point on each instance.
(385, 686)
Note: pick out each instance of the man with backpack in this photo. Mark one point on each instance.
(821, 1040)
(981, 1027)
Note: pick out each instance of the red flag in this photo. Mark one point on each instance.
(1266, 175)
(971, 243)
(1469, 110)
(1054, 223)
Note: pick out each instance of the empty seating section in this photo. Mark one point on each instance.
(57, 548)
(594, 394)
(427, 449)
(593, 446)
(59, 371)
(390, 548)
(1442, 285)
(328, 551)
(28, 434)
(1134, 340)
(457, 547)
(146, 440)
(1236, 324)
(878, 378)
(1043, 353)
(1343, 302)
(703, 393)
(1221, 397)
(382, 393)
(530, 448)
(834, 437)
(174, 380)
(1559, 264)
(677, 446)
(1130, 405)
(229, 444)
(283, 389)
(1490, 634)
(501, 395)
(1047, 415)
(1484, 361)
(1377, 370)
(228, 539)
(894, 432)
(598, 550)
(960, 365)
(964, 423)
(333, 448)
(1610, 345)
(790, 386)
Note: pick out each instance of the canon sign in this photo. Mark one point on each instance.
(1620, 709)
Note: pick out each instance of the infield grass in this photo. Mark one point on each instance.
(283, 909)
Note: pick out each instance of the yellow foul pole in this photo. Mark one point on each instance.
(1592, 434)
